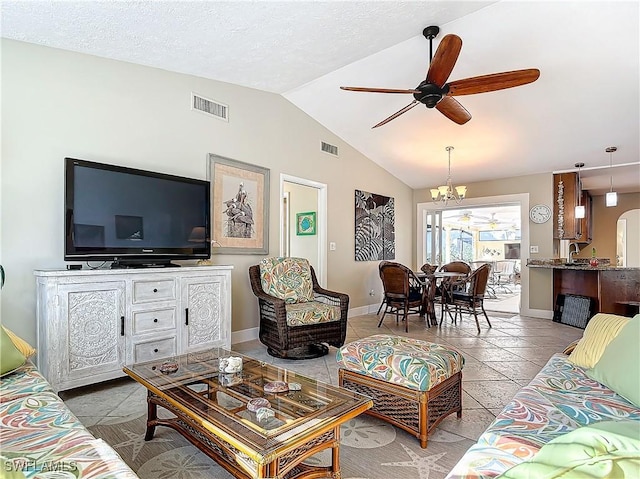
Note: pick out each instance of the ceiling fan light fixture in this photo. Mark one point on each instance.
(447, 192)
(611, 198)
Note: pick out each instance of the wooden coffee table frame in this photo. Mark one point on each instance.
(222, 440)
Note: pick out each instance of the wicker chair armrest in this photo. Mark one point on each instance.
(569, 349)
(331, 296)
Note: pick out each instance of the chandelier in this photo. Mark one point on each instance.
(445, 193)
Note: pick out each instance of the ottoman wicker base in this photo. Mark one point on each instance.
(417, 412)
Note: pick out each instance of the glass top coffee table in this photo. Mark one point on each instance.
(216, 413)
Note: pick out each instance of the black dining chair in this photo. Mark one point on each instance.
(404, 293)
(471, 300)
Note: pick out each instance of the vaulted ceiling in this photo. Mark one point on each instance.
(586, 99)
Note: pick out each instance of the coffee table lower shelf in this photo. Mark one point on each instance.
(284, 464)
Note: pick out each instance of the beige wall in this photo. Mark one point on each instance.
(605, 223)
(540, 191)
(57, 103)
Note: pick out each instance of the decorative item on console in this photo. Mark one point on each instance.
(593, 261)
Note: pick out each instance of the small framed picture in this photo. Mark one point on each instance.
(306, 223)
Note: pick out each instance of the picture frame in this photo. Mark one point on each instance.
(239, 206)
(306, 223)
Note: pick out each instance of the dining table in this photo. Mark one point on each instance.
(430, 281)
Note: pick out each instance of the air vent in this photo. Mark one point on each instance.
(209, 107)
(331, 149)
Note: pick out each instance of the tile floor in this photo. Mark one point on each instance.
(498, 362)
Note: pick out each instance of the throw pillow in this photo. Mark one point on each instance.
(619, 366)
(602, 328)
(10, 357)
(609, 449)
(23, 346)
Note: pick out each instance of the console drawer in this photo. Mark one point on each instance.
(147, 291)
(154, 320)
(155, 349)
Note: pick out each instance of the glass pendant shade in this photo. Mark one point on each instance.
(611, 199)
(579, 212)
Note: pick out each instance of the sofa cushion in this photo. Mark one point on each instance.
(311, 312)
(560, 399)
(10, 357)
(287, 278)
(602, 328)
(619, 365)
(26, 380)
(606, 449)
(23, 346)
(408, 362)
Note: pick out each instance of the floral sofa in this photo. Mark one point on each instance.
(41, 438)
(558, 404)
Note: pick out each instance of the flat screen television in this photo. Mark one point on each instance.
(134, 218)
(512, 251)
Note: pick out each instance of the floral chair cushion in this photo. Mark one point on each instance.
(411, 363)
(311, 312)
(287, 278)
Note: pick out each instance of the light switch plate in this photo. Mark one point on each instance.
(533, 249)
(332, 246)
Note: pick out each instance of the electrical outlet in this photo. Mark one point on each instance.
(372, 293)
(533, 249)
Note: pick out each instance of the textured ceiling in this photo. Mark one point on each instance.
(587, 97)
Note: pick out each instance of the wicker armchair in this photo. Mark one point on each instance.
(281, 329)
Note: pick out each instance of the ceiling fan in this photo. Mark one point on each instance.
(434, 91)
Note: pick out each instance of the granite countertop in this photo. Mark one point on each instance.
(580, 264)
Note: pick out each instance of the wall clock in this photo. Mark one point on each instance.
(540, 213)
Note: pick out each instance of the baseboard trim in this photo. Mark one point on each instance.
(537, 313)
(362, 310)
(244, 335)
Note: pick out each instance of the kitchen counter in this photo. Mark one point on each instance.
(578, 266)
(612, 288)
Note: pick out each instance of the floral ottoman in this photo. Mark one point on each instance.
(414, 384)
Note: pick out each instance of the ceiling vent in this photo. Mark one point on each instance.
(327, 148)
(209, 107)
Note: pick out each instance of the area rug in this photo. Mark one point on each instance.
(369, 449)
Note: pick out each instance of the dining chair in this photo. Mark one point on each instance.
(472, 298)
(449, 285)
(403, 292)
(383, 302)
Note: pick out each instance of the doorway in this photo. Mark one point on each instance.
(299, 197)
(481, 230)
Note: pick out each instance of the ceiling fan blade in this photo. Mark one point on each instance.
(377, 90)
(492, 82)
(444, 60)
(397, 114)
(452, 109)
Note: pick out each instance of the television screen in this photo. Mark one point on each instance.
(120, 214)
(512, 251)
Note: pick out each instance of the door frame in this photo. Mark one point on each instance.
(321, 221)
(523, 200)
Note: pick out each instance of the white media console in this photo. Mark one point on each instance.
(93, 322)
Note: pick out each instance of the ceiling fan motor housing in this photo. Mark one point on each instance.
(430, 94)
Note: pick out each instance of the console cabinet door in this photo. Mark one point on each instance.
(92, 320)
(204, 324)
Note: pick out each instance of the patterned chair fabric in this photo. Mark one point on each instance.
(39, 433)
(407, 362)
(560, 399)
(311, 312)
(287, 278)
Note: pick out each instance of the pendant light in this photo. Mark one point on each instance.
(579, 211)
(447, 192)
(611, 198)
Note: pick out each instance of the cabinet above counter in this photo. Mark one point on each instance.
(568, 194)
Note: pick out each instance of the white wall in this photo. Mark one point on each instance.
(631, 250)
(302, 199)
(57, 103)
